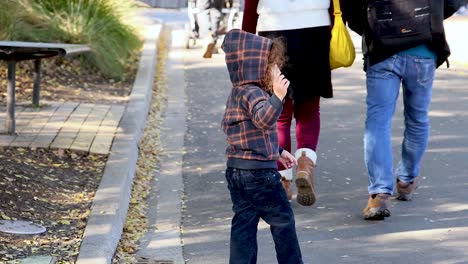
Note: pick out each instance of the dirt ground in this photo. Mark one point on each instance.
(54, 188)
(68, 80)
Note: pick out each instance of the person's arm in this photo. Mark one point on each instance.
(287, 159)
(249, 20)
(354, 15)
(264, 110)
(452, 6)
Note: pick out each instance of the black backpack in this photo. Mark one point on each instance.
(399, 24)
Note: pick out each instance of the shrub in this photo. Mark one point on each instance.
(13, 25)
(97, 23)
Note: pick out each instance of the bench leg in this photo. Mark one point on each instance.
(37, 83)
(10, 116)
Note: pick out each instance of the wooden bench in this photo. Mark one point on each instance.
(15, 51)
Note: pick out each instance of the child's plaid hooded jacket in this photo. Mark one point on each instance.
(251, 112)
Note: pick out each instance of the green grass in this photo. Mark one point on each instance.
(13, 21)
(97, 23)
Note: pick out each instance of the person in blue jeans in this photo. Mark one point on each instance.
(249, 122)
(391, 61)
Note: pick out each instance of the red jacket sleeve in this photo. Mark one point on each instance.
(249, 20)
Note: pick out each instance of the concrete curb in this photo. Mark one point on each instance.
(109, 209)
(162, 243)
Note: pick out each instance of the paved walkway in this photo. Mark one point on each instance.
(430, 229)
(64, 125)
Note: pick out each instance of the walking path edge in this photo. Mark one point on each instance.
(110, 206)
(163, 242)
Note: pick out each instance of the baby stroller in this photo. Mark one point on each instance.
(230, 18)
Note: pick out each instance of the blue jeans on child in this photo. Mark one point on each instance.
(259, 194)
(416, 74)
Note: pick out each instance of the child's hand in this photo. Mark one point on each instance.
(287, 159)
(280, 83)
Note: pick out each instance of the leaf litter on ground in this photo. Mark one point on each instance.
(149, 153)
(54, 189)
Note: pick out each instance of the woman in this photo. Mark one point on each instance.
(305, 27)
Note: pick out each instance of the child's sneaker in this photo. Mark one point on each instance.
(377, 207)
(405, 190)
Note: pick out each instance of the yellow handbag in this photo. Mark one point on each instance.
(342, 52)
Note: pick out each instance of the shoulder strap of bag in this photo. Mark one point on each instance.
(336, 7)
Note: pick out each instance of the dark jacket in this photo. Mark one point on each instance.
(251, 112)
(354, 12)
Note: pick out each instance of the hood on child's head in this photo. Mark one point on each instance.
(246, 56)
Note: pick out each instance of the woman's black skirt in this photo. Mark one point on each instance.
(308, 67)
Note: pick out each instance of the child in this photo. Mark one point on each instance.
(249, 122)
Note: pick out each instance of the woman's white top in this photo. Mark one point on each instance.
(276, 15)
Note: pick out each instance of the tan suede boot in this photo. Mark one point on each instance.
(377, 207)
(209, 44)
(305, 176)
(287, 187)
(405, 190)
(286, 180)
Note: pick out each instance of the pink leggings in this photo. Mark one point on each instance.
(307, 116)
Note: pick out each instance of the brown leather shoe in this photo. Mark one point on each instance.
(305, 180)
(209, 44)
(377, 207)
(405, 190)
(208, 53)
(287, 187)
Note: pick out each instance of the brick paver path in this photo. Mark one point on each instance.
(64, 125)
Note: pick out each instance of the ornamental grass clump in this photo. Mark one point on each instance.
(100, 24)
